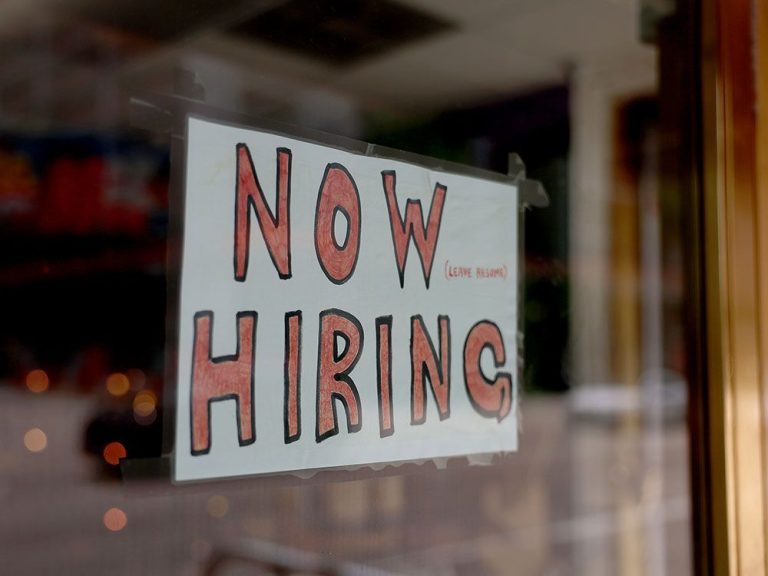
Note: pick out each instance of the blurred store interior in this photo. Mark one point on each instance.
(583, 90)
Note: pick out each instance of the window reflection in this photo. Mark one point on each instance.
(600, 484)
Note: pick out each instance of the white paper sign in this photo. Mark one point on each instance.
(339, 310)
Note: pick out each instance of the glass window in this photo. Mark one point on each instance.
(583, 91)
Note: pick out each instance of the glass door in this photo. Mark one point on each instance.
(615, 397)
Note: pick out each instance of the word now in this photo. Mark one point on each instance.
(233, 377)
(338, 195)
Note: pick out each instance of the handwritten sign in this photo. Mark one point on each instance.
(338, 309)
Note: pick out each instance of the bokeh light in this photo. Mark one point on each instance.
(37, 381)
(118, 384)
(217, 506)
(35, 440)
(113, 452)
(115, 519)
(144, 403)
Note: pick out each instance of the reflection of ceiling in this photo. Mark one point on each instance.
(72, 60)
(342, 32)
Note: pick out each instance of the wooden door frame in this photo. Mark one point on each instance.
(728, 317)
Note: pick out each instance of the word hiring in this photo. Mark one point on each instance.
(233, 377)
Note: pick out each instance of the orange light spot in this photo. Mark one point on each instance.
(217, 506)
(37, 381)
(115, 519)
(113, 452)
(118, 384)
(144, 403)
(35, 440)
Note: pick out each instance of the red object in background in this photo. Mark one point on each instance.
(81, 185)
(77, 201)
(72, 199)
(19, 186)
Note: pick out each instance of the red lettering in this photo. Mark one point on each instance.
(338, 195)
(275, 230)
(292, 377)
(425, 364)
(384, 374)
(424, 235)
(491, 398)
(222, 378)
(333, 368)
